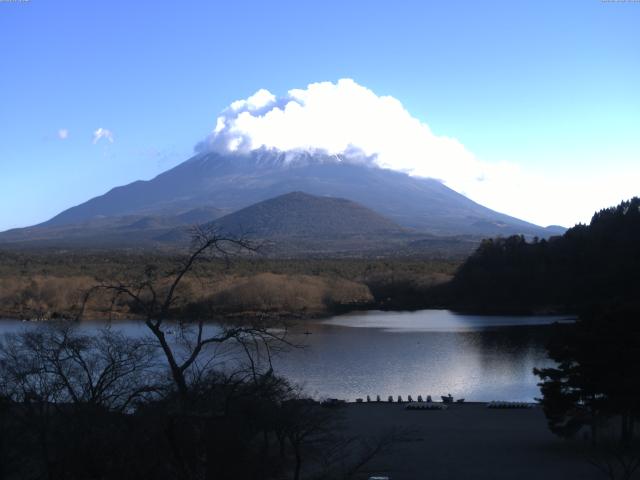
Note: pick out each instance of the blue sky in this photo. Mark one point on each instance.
(550, 88)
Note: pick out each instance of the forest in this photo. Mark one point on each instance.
(595, 264)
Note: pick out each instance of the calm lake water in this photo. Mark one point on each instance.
(428, 352)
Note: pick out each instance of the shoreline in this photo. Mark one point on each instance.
(346, 362)
(286, 316)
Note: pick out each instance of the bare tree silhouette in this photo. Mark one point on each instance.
(156, 295)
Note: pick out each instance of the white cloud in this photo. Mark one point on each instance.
(338, 118)
(101, 133)
(560, 199)
(63, 134)
(258, 100)
(345, 117)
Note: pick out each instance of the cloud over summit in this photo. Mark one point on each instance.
(341, 118)
(351, 121)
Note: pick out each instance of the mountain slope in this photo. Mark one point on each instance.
(232, 182)
(106, 232)
(303, 215)
(299, 224)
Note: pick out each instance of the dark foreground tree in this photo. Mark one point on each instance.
(595, 382)
(65, 396)
(155, 296)
(76, 406)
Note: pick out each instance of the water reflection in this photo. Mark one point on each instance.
(431, 352)
(421, 353)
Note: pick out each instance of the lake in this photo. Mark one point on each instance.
(427, 352)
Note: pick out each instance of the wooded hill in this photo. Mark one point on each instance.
(595, 264)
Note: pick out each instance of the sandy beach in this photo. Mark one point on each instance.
(469, 441)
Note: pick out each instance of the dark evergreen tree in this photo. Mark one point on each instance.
(596, 377)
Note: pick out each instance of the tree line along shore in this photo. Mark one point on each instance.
(51, 284)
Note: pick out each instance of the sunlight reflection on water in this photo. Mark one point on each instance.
(428, 352)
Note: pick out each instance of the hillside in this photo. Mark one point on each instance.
(302, 215)
(590, 264)
(298, 224)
